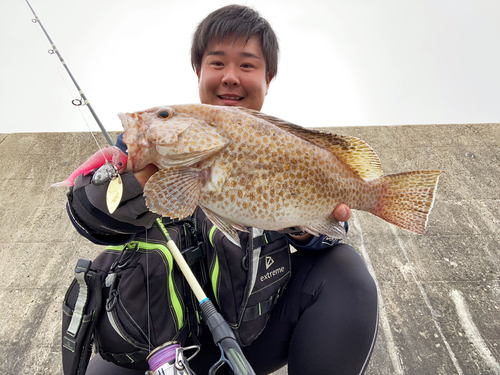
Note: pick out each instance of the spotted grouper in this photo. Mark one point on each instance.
(244, 168)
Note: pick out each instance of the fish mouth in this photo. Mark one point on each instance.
(124, 120)
(129, 138)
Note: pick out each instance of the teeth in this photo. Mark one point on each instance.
(231, 97)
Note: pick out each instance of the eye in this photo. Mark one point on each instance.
(164, 114)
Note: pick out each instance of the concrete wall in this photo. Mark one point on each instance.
(439, 293)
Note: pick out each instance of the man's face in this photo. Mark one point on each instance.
(234, 73)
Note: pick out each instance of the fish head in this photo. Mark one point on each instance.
(176, 136)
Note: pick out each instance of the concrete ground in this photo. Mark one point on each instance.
(439, 293)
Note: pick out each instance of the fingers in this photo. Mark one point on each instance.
(342, 212)
(144, 174)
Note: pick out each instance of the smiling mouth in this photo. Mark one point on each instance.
(225, 97)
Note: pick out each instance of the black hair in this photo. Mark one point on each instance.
(237, 21)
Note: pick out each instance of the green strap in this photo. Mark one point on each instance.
(215, 272)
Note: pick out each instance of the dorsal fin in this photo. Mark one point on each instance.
(353, 151)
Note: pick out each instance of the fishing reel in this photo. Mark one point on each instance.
(169, 359)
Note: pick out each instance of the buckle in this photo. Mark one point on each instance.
(125, 257)
(83, 265)
(112, 300)
(193, 253)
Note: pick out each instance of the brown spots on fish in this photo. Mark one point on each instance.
(265, 174)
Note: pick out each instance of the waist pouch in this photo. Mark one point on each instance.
(109, 306)
(247, 281)
(136, 302)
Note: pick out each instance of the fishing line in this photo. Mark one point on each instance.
(84, 102)
(222, 334)
(83, 99)
(147, 295)
(76, 102)
(91, 132)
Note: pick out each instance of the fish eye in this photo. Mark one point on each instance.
(164, 114)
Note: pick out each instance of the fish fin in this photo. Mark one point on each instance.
(240, 227)
(353, 151)
(224, 225)
(86, 173)
(174, 192)
(330, 227)
(408, 199)
(63, 183)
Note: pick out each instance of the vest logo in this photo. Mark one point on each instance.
(269, 262)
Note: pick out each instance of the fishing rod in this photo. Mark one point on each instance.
(222, 334)
(76, 102)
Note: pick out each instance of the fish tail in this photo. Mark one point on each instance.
(66, 182)
(407, 199)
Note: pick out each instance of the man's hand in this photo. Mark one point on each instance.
(144, 174)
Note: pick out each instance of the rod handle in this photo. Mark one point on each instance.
(224, 337)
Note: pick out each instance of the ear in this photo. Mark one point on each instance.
(198, 73)
(269, 78)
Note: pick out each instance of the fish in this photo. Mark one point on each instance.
(244, 169)
(111, 154)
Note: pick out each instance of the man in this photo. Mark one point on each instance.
(325, 321)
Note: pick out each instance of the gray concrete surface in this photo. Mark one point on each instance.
(439, 293)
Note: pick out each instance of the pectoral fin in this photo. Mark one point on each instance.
(174, 192)
(225, 226)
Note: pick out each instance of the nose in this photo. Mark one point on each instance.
(230, 77)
